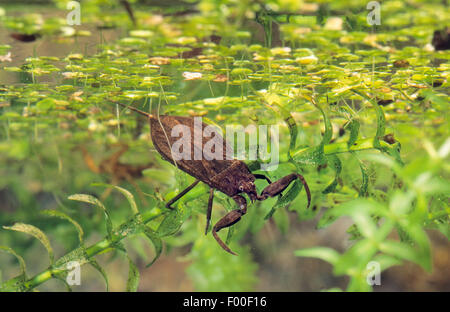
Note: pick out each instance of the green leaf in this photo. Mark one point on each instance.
(355, 207)
(401, 203)
(213, 269)
(404, 251)
(381, 120)
(358, 283)
(94, 201)
(37, 233)
(125, 192)
(365, 180)
(324, 253)
(62, 215)
(23, 267)
(356, 258)
(133, 277)
(173, 220)
(365, 224)
(325, 221)
(315, 156)
(328, 128)
(286, 199)
(63, 280)
(386, 261)
(156, 241)
(229, 235)
(275, 104)
(46, 104)
(97, 266)
(336, 163)
(354, 126)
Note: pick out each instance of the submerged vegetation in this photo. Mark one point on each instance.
(362, 111)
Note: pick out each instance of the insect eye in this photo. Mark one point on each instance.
(241, 188)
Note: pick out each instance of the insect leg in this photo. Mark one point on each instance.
(229, 219)
(262, 177)
(190, 187)
(279, 186)
(208, 212)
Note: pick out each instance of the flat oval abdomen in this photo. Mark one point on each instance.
(201, 160)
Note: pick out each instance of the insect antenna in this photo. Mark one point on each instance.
(136, 110)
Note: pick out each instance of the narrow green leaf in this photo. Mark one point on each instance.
(404, 251)
(354, 126)
(336, 163)
(381, 126)
(97, 266)
(23, 267)
(293, 132)
(325, 221)
(156, 241)
(365, 224)
(400, 203)
(62, 279)
(316, 155)
(381, 120)
(125, 192)
(328, 133)
(37, 233)
(274, 104)
(133, 277)
(418, 236)
(365, 180)
(286, 199)
(229, 235)
(324, 253)
(173, 220)
(355, 207)
(386, 261)
(358, 283)
(356, 258)
(94, 201)
(62, 215)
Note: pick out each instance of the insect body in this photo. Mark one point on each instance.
(230, 176)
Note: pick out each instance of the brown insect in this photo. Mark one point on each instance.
(231, 177)
(25, 37)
